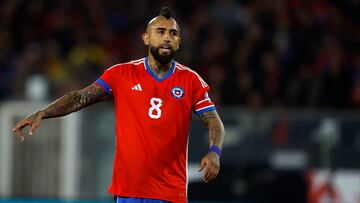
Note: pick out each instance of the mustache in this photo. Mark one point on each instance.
(166, 46)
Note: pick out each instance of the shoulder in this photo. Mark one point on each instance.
(190, 73)
(127, 65)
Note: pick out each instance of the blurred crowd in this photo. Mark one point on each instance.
(254, 53)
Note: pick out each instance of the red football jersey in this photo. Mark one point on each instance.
(152, 126)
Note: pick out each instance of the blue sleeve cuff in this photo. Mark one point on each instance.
(105, 86)
(210, 108)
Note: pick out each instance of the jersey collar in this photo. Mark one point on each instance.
(171, 71)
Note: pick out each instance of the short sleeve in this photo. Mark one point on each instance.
(201, 102)
(105, 81)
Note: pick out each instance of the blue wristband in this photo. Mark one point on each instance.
(215, 149)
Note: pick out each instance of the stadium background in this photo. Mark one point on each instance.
(285, 76)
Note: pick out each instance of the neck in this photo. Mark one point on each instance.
(158, 68)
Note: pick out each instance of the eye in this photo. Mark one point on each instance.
(160, 31)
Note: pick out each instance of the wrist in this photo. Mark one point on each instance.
(215, 149)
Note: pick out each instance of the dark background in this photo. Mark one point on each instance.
(278, 71)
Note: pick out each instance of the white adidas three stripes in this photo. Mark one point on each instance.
(137, 87)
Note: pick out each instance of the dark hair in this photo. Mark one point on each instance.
(166, 12)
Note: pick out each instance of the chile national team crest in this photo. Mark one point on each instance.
(177, 92)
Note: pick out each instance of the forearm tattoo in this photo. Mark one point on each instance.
(216, 128)
(75, 101)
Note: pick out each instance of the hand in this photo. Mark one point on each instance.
(211, 163)
(33, 121)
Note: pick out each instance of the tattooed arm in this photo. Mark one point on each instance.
(67, 104)
(211, 161)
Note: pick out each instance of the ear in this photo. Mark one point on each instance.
(145, 38)
(179, 42)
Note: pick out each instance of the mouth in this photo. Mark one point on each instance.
(166, 47)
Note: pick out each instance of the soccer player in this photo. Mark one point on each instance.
(154, 97)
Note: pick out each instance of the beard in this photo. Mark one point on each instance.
(162, 59)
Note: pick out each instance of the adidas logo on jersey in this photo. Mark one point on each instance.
(137, 87)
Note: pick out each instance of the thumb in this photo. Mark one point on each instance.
(202, 164)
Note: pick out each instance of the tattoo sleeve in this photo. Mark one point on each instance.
(75, 101)
(216, 128)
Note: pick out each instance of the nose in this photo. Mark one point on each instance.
(167, 37)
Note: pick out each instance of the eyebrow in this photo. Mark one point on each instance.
(171, 30)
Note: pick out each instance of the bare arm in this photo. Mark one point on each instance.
(74, 101)
(67, 104)
(216, 138)
(216, 128)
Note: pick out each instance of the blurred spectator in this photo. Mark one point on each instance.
(333, 85)
(300, 87)
(302, 54)
(355, 92)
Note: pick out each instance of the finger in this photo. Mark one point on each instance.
(20, 134)
(33, 127)
(215, 172)
(212, 173)
(202, 165)
(21, 124)
(208, 173)
(15, 128)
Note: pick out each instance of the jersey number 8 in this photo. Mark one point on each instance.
(154, 110)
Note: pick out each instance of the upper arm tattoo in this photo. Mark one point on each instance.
(75, 101)
(90, 95)
(209, 116)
